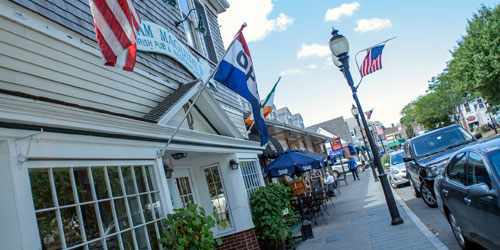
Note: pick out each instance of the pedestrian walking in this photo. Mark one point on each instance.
(362, 159)
(352, 166)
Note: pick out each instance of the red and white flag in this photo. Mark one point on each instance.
(116, 24)
(372, 61)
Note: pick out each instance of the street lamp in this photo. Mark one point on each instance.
(340, 50)
(355, 113)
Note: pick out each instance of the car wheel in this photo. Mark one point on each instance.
(427, 195)
(414, 189)
(457, 231)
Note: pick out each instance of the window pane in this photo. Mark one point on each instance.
(121, 214)
(90, 221)
(100, 183)
(108, 223)
(152, 236)
(149, 175)
(457, 168)
(63, 186)
(134, 211)
(139, 178)
(128, 180)
(157, 205)
(147, 208)
(140, 236)
(96, 245)
(184, 6)
(128, 242)
(71, 226)
(114, 181)
(82, 184)
(40, 188)
(477, 172)
(189, 33)
(49, 233)
(217, 195)
(112, 243)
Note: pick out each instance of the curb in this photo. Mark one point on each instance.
(421, 226)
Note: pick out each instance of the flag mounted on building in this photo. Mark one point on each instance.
(116, 24)
(267, 104)
(368, 114)
(236, 72)
(372, 61)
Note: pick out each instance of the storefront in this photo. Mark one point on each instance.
(85, 161)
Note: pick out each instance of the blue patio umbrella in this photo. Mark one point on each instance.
(292, 162)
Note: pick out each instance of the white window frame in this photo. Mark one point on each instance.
(251, 177)
(191, 21)
(51, 165)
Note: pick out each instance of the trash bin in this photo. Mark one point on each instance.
(307, 230)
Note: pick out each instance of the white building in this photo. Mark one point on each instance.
(96, 177)
(473, 114)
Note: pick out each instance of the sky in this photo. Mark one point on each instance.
(289, 38)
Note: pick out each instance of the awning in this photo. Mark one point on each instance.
(393, 143)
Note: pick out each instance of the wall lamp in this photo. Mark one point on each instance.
(233, 164)
(171, 2)
(178, 156)
(201, 25)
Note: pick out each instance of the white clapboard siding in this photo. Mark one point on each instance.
(36, 64)
(199, 123)
(236, 118)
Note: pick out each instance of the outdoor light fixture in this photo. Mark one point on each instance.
(171, 2)
(201, 25)
(233, 164)
(340, 50)
(168, 170)
(178, 156)
(355, 111)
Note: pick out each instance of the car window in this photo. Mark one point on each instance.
(456, 170)
(494, 157)
(476, 170)
(439, 141)
(397, 158)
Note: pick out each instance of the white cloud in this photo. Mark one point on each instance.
(312, 66)
(345, 9)
(373, 24)
(313, 50)
(255, 13)
(292, 72)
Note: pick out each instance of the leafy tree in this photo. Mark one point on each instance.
(475, 67)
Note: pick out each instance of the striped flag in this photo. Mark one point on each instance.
(116, 24)
(372, 61)
(267, 104)
(368, 114)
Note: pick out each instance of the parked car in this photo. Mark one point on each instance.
(468, 194)
(397, 169)
(427, 154)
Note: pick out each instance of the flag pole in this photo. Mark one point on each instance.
(204, 85)
(356, 57)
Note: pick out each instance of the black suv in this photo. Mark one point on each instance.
(427, 154)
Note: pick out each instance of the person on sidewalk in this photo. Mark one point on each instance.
(362, 159)
(329, 184)
(352, 166)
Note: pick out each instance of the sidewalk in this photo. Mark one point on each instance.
(361, 220)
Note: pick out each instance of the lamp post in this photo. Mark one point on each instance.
(340, 55)
(355, 113)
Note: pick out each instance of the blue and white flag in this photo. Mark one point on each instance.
(236, 72)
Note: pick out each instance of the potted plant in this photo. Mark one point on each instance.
(270, 207)
(189, 228)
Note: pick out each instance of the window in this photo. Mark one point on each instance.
(480, 102)
(251, 177)
(97, 207)
(456, 170)
(217, 195)
(207, 38)
(185, 191)
(467, 107)
(189, 24)
(353, 133)
(476, 170)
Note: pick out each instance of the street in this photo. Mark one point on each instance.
(431, 217)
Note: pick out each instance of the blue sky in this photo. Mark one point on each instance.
(290, 38)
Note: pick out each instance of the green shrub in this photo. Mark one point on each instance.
(189, 228)
(269, 206)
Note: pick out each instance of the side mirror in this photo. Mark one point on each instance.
(477, 135)
(480, 190)
(386, 164)
(407, 159)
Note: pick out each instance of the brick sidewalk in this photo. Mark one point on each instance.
(361, 220)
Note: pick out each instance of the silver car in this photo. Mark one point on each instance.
(397, 169)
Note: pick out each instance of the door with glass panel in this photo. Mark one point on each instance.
(218, 197)
(184, 187)
(95, 205)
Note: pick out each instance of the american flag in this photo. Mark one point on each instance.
(372, 61)
(116, 24)
(368, 114)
